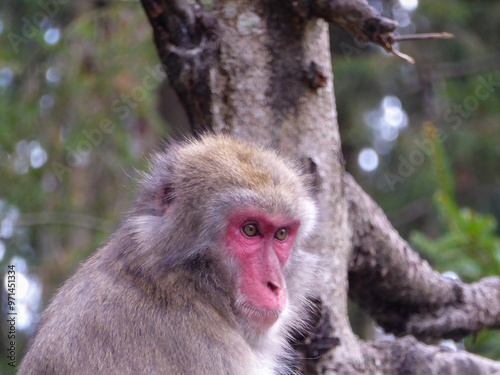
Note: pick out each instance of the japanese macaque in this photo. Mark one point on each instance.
(206, 274)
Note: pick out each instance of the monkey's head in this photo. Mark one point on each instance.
(246, 208)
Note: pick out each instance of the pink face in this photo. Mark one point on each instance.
(262, 245)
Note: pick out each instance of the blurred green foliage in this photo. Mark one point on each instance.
(469, 244)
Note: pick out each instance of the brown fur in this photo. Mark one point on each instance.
(157, 298)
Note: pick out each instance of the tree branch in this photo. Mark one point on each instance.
(401, 291)
(410, 357)
(356, 17)
(361, 20)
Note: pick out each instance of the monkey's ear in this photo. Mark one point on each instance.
(164, 198)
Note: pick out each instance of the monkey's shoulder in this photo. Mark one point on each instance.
(97, 314)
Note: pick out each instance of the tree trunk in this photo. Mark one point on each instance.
(262, 71)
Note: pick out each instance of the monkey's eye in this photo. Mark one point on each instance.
(250, 230)
(281, 234)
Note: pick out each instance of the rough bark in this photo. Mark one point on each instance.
(262, 70)
(409, 357)
(401, 291)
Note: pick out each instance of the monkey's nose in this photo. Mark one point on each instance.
(274, 288)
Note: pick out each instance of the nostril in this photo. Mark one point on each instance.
(274, 288)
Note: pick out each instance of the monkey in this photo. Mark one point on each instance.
(207, 274)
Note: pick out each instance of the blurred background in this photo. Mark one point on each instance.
(80, 94)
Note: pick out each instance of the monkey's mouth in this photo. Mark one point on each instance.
(260, 315)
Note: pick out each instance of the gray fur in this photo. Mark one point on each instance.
(157, 298)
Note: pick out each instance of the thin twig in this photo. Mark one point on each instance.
(405, 37)
(391, 39)
(403, 56)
